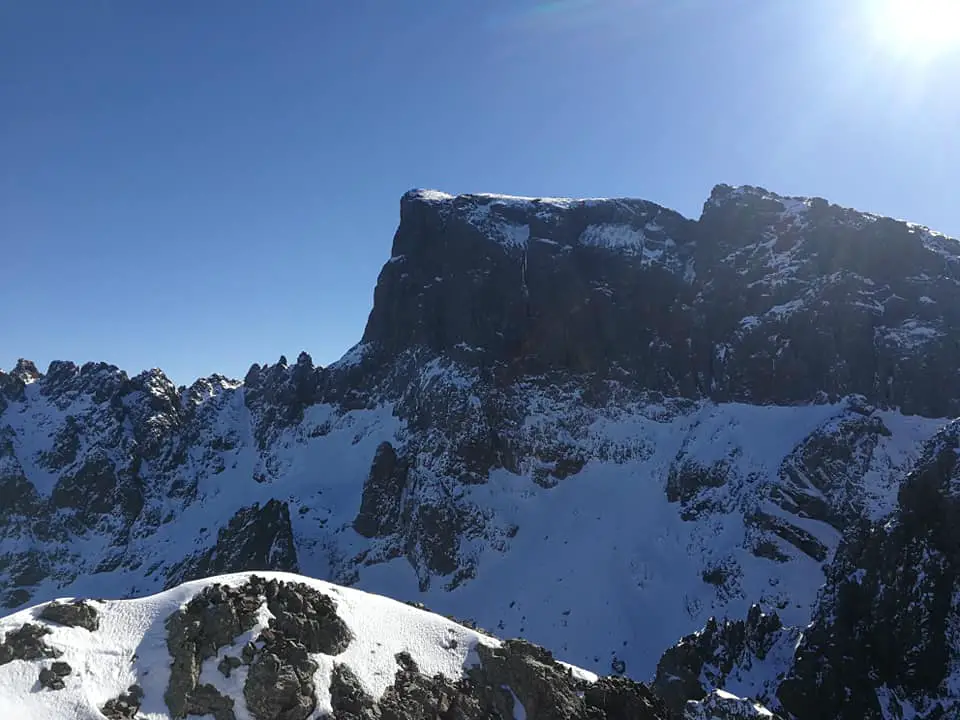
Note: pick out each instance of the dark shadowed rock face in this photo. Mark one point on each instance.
(532, 282)
(764, 299)
(94, 490)
(886, 635)
(380, 505)
(256, 538)
(720, 654)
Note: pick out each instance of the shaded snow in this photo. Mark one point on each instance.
(612, 236)
(610, 528)
(911, 334)
(592, 558)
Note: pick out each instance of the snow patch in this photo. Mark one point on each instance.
(612, 236)
(911, 334)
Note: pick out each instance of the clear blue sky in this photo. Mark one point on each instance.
(198, 186)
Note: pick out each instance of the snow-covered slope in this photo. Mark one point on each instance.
(281, 646)
(594, 424)
(636, 500)
(884, 643)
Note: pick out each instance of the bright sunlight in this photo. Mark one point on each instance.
(919, 30)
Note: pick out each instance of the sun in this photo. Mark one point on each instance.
(917, 29)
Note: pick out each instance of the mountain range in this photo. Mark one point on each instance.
(715, 455)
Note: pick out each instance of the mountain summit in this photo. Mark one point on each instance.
(764, 299)
(595, 424)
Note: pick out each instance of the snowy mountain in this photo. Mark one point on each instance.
(594, 424)
(284, 647)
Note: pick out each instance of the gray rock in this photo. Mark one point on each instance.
(279, 684)
(207, 700)
(719, 707)
(26, 643)
(228, 664)
(617, 697)
(51, 677)
(545, 688)
(211, 620)
(307, 616)
(348, 698)
(126, 706)
(78, 613)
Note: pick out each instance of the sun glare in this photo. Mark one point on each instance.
(918, 29)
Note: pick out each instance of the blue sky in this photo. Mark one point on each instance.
(198, 186)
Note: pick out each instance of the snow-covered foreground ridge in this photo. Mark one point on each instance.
(284, 647)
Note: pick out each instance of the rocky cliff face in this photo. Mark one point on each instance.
(683, 416)
(764, 299)
(885, 637)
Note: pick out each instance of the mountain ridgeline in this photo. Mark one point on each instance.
(763, 300)
(694, 452)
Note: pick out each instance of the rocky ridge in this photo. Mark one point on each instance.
(284, 647)
(596, 392)
(885, 637)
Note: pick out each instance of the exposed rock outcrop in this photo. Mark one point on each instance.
(27, 643)
(279, 684)
(751, 655)
(77, 613)
(125, 706)
(886, 636)
(516, 679)
(255, 538)
(380, 506)
(51, 678)
(764, 299)
(723, 706)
